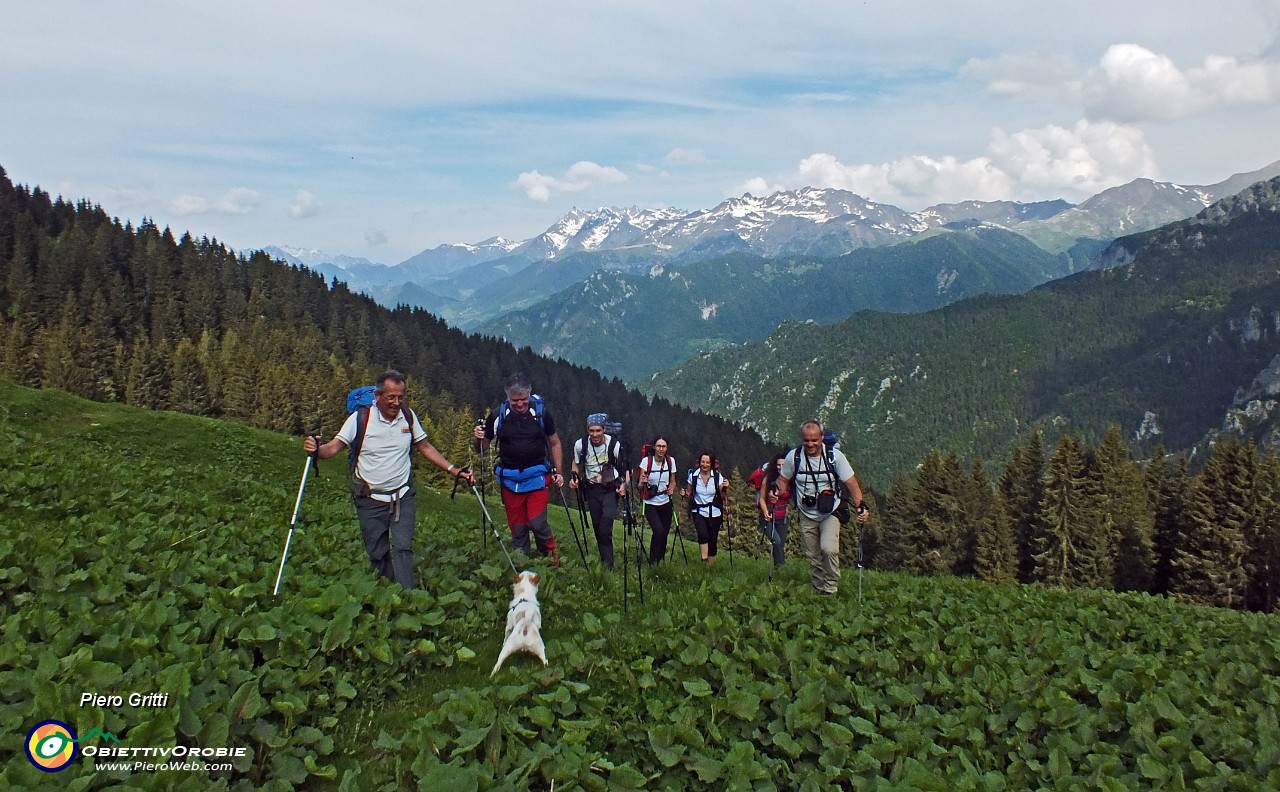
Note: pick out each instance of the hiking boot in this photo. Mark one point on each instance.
(555, 557)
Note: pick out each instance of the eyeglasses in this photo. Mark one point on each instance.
(393, 397)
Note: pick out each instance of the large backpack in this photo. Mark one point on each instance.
(615, 457)
(531, 478)
(537, 408)
(828, 456)
(360, 401)
(717, 500)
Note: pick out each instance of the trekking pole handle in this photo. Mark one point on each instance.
(315, 455)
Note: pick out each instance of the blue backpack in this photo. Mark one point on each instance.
(536, 407)
(360, 401)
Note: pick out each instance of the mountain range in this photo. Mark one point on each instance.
(1179, 340)
(548, 291)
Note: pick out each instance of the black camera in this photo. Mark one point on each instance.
(653, 491)
(808, 500)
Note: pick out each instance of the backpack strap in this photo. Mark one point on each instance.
(362, 427)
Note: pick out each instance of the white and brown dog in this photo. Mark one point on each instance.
(524, 621)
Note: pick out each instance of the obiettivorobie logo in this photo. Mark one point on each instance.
(51, 745)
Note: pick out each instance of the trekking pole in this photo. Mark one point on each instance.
(582, 513)
(312, 461)
(628, 525)
(626, 573)
(773, 543)
(641, 551)
(675, 526)
(492, 524)
(569, 516)
(728, 524)
(860, 529)
(484, 538)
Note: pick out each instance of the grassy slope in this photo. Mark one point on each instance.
(139, 550)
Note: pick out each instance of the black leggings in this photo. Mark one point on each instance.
(659, 518)
(708, 529)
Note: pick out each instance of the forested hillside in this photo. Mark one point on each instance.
(673, 311)
(121, 313)
(1160, 344)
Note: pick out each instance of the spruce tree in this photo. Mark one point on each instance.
(937, 535)
(1022, 487)
(996, 554)
(1206, 565)
(897, 533)
(190, 391)
(1262, 558)
(1168, 486)
(59, 349)
(1208, 562)
(1126, 511)
(1062, 539)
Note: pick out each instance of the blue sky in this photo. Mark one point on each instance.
(382, 129)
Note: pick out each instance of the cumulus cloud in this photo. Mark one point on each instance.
(760, 186)
(1050, 161)
(240, 201)
(581, 176)
(1132, 83)
(305, 204)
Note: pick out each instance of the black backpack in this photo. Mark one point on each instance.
(615, 458)
(842, 511)
(717, 500)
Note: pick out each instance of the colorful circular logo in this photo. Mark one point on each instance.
(51, 745)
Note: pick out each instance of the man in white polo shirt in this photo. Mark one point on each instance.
(382, 485)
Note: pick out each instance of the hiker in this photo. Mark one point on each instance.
(772, 507)
(599, 474)
(382, 475)
(527, 442)
(657, 477)
(817, 472)
(705, 489)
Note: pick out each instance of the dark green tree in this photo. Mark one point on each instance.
(1063, 545)
(1169, 484)
(1126, 514)
(1022, 487)
(1206, 567)
(1262, 559)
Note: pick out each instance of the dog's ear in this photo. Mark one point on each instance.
(517, 578)
(535, 578)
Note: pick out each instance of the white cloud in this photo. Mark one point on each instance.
(305, 204)
(375, 237)
(581, 175)
(1132, 83)
(759, 187)
(1033, 76)
(1044, 162)
(1085, 159)
(240, 201)
(682, 156)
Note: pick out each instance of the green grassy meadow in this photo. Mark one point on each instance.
(138, 551)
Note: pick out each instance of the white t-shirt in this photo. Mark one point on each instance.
(704, 493)
(659, 477)
(814, 477)
(597, 467)
(385, 454)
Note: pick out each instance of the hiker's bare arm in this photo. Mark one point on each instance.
(324, 451)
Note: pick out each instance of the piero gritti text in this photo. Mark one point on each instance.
(136, 700)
